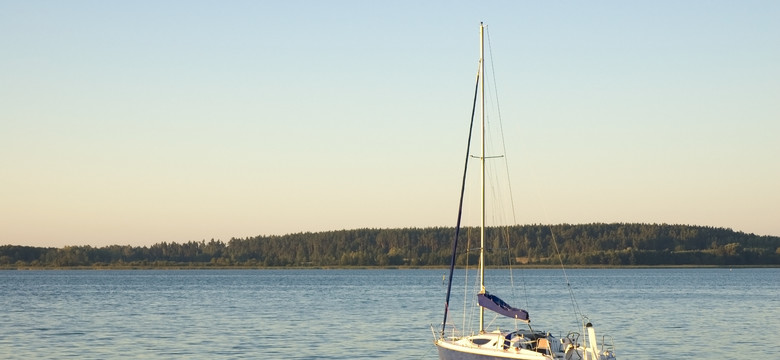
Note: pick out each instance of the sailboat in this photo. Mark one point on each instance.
(524, 343)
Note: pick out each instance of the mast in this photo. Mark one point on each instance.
(460, 204)
(482, 175)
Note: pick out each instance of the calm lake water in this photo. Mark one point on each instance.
(352, 314)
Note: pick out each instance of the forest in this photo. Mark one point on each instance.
(598, 244)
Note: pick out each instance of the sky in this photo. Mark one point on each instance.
(140, 122)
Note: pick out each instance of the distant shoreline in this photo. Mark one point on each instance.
(614, 245)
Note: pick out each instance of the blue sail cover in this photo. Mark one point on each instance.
(493, 303)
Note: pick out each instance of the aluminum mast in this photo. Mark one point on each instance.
(482, 175)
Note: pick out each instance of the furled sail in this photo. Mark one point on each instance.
(493, 303)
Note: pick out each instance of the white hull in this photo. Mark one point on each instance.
(466, 349)
(510, 345)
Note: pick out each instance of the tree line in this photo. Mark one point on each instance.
(587, 245)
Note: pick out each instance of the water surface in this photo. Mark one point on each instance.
(378, 314)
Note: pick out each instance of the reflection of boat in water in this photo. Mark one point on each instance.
(523, 344)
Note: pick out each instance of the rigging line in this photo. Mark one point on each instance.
(575, 306)
(471, 304)
(466, 282)
(501, 125)
(506, 166)
(467, 268)
(460, 206)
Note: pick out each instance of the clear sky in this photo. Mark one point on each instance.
(138, 122)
